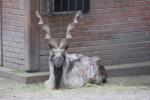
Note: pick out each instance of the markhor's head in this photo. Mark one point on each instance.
(58, 53)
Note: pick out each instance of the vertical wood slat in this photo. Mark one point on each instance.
(1, 50)
(31, 37)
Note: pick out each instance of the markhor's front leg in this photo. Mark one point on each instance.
(50, 83)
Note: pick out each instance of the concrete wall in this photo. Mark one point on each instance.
(13, 33)
(118, 31)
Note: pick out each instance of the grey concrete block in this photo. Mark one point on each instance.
(129, 69)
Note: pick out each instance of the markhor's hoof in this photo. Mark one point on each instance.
(49, 85)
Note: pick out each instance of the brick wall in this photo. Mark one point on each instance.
(13, 33)
(118, 31)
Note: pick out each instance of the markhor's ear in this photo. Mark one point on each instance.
(51, 46)
(66, 47)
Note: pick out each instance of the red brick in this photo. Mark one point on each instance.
(13, 33)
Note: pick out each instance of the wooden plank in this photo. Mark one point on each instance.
(32, 62)
(1, 57)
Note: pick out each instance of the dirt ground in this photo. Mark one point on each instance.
(117, 88)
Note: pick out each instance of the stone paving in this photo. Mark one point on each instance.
(117, 88)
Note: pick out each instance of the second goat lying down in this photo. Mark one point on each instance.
(71, 70)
